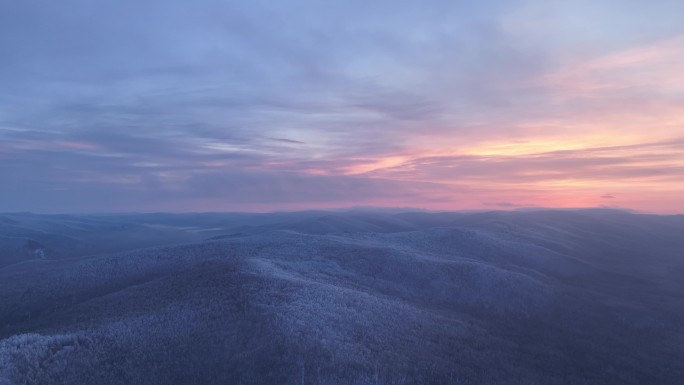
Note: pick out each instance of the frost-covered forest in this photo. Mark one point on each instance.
(353, 297)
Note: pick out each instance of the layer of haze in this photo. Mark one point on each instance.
(280, 105)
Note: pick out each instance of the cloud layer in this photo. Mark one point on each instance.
(270, 105)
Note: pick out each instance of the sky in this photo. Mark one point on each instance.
(254, 105)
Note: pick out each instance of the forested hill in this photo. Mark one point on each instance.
(358, 297)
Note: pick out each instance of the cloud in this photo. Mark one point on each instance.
(442, 104)
(593, 164)
(288, 141)
(502, 204)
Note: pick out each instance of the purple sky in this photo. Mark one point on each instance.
(210, 105)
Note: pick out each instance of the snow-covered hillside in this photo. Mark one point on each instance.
(543, 297)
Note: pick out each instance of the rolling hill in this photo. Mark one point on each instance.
(358, 297)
